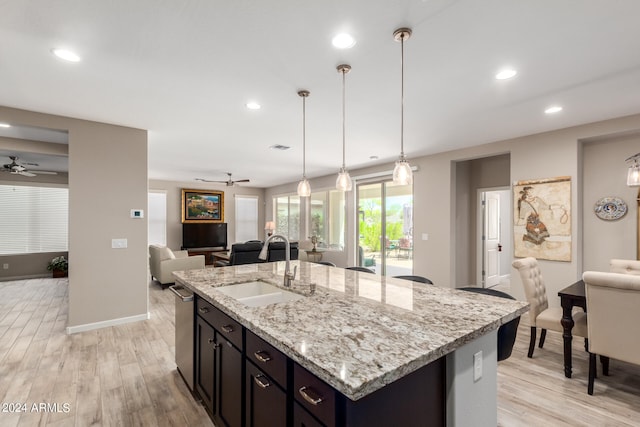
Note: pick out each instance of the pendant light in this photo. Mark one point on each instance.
(343, 183)
(304, 189)
(633, 175)
(402, 174)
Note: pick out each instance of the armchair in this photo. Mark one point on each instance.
(613, 300)
(163, 261)
(625, 266)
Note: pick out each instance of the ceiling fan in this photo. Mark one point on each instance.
(229, 182)
(19, 169)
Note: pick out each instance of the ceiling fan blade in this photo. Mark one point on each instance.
(25, 173)
(242, 180)
(209, 180)
(44, 172)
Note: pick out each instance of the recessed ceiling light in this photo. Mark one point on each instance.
(5, 125)
(554, 109)
(253, 105)
(507, 73)
(343, 41)
(65, 54)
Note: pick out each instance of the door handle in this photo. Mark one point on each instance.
(499, 247)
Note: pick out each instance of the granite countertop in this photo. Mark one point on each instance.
(356, 331)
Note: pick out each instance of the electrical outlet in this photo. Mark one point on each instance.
(5, 266)
(118, 243)
(477, 366)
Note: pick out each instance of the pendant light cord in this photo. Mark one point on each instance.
(304, 132)
(402, 97)
(343, 118)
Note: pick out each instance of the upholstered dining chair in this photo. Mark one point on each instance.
(414, 278)
(361, 269)
(613, 300)
(540, 314)
(625, 266)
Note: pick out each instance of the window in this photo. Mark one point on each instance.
(246, 218)
(33, 219)
(327, 218)
(288, 216)
(157, 218)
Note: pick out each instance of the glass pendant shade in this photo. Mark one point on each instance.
(343, 182)
(304, 189)
(402, 174)
(633, 176)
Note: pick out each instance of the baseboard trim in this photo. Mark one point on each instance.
(107, 323)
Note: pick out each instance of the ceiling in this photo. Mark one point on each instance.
(184, 70)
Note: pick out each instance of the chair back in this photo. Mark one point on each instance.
(625, 266)
(329, 263)
(245, 253)
(613, 300)
(508, 332)
(534, 287)
(360, 269)
(415, 279)
(277, 251)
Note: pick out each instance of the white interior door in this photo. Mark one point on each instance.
(491, 235)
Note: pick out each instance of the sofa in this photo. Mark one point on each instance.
(163, 261)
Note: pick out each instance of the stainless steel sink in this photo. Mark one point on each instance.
(258, 294)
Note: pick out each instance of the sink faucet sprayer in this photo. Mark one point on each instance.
(288, 275)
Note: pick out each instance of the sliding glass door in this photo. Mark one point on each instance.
(385, 227)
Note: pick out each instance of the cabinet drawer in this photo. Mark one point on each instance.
(267, 358)
(222, 323)
(314, 395)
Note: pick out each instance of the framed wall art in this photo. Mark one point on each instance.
(202, 206)
(542, 218)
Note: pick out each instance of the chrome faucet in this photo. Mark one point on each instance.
(288, 275)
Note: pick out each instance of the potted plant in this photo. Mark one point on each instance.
(59, 266)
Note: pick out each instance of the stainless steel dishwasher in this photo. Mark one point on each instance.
(184, 333)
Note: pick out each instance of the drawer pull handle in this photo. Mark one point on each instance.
(227, 329)
(203, 310)
(261, 381)
(262, 356)
(215, 344)
(310, 395)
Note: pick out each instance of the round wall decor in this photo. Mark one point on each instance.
(610, 208)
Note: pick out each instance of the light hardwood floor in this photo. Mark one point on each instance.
(125, 375)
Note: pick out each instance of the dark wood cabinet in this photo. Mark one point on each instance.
(266, 401)
(219, 365)
(301, 418)
(205, 361)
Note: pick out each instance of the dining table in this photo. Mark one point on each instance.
(572, 296)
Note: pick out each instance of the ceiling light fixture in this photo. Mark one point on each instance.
(633, 175)
(554, 109)
(304, 189)
(343, 41)
(505, 74)
(402, 174)
(343, 182)
(253, 105)
(65, 54)
(5, 125)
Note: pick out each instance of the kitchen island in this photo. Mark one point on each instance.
(378, 346)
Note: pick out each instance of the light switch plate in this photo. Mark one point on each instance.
(118, 243)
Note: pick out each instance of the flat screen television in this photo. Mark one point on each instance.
(204, 235)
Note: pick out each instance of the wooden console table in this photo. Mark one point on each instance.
(210, 255)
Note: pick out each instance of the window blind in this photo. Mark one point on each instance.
(33, 219)
(246, 218)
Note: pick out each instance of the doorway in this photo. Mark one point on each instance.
(385, 227)
(494, 240)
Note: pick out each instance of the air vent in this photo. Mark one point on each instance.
(280, 147)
